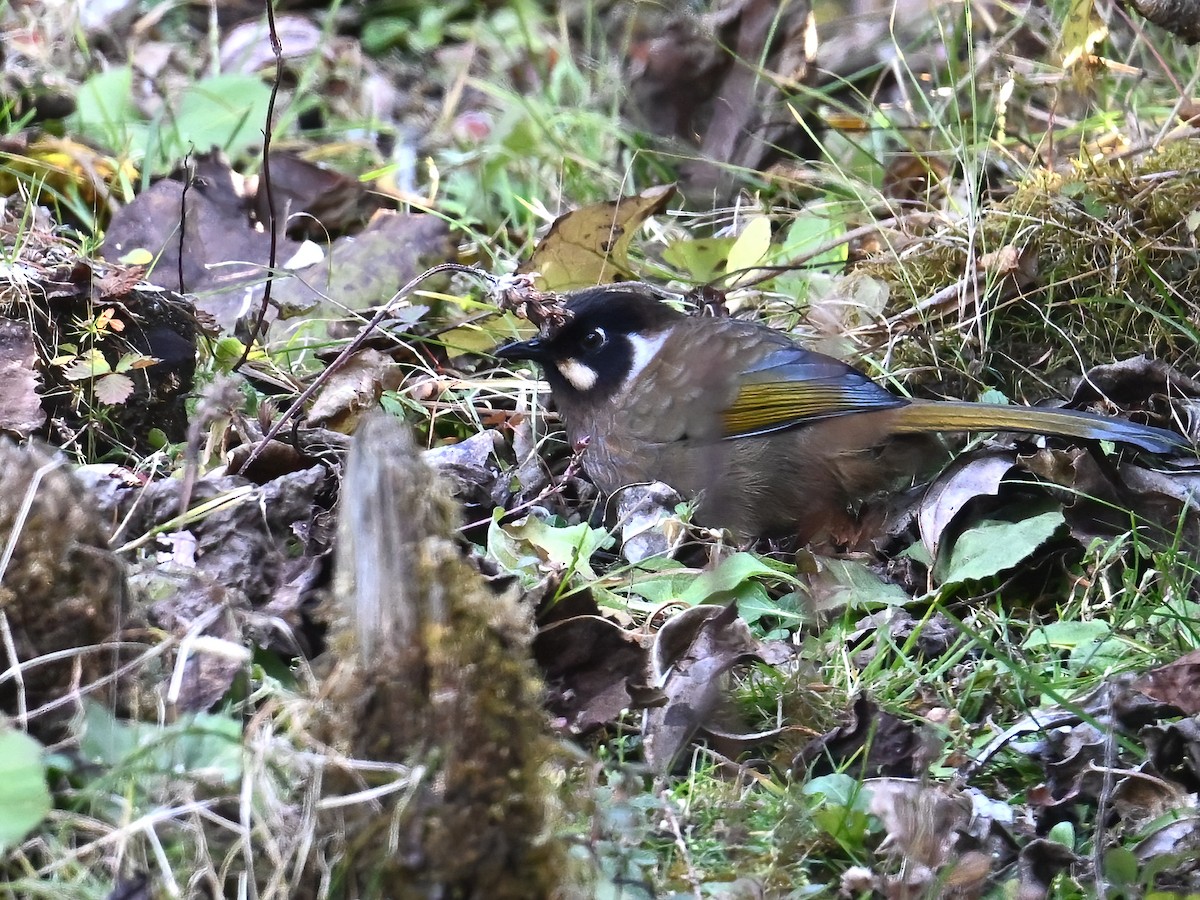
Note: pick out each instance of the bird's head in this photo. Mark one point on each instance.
(608, 338)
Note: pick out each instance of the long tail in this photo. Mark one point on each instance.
(935, 415)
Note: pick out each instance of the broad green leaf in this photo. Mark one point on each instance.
(995, 397)
(848, 583)
(24, 798)
(805, 233)
(1092, 645)
(511, 554)
(1108, 655)
(837, 788)
(134, 360)
(201, 745)
(735, 578)
(917, 551)
(993, 546)
(701, 259)
(757, 604)
(839, 804)
(731, 573)
(527, 546)
(89, 365)
(106, 113)
(1121, 866)
(226, 351)
(1067, 635)
(226, 111)
(667, 587)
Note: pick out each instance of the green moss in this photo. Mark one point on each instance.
(1109, 269)
(435, 672)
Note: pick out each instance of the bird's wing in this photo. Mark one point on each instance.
(791, 386)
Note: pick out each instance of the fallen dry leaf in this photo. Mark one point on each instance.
(692, 652)
(21, 410)
(872, 743)
(588, 662)
(353, 389)
(220, 252)
(1132, 383)
(590, 245)
(968, 477)
(1177, 683)
(313, 202)
(361, 272)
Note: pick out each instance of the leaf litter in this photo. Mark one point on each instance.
(255, 549)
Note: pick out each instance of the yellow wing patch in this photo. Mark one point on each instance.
(765, 406)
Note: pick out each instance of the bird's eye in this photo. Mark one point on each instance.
(594, 339)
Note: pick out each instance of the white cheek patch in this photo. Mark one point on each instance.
(579, 376)
(644, 350)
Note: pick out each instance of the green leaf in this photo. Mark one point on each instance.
(994, 545)
(917, 551)
(702, 259)
(1092, 645)
(105, 111)
(995, 397)
(758, 604)
(385, 33)
(808, 231)
(24, 798)
(1063, 833)
(227, 351)
(837, 788)
(713, 585)
(138, 256)
(849, 583)
(1067, 635)
(1120, 864)
(133, 360)
(839, 804)
(530, 545)
(202, 745)
(735, 578)
(89, 365)
(667, 587)
(225, 111)
(1121, 867)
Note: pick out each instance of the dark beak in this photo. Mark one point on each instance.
(534, 350)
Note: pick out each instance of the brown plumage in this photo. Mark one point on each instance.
(771, 438)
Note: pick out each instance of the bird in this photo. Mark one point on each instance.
(768, 437)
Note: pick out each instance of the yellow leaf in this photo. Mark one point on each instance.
(751, 246)
(62, 166)
(590, 245)
(139, 256)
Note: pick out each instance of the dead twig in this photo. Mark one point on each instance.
(272, 218)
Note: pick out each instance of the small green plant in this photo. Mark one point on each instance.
(86, 366)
